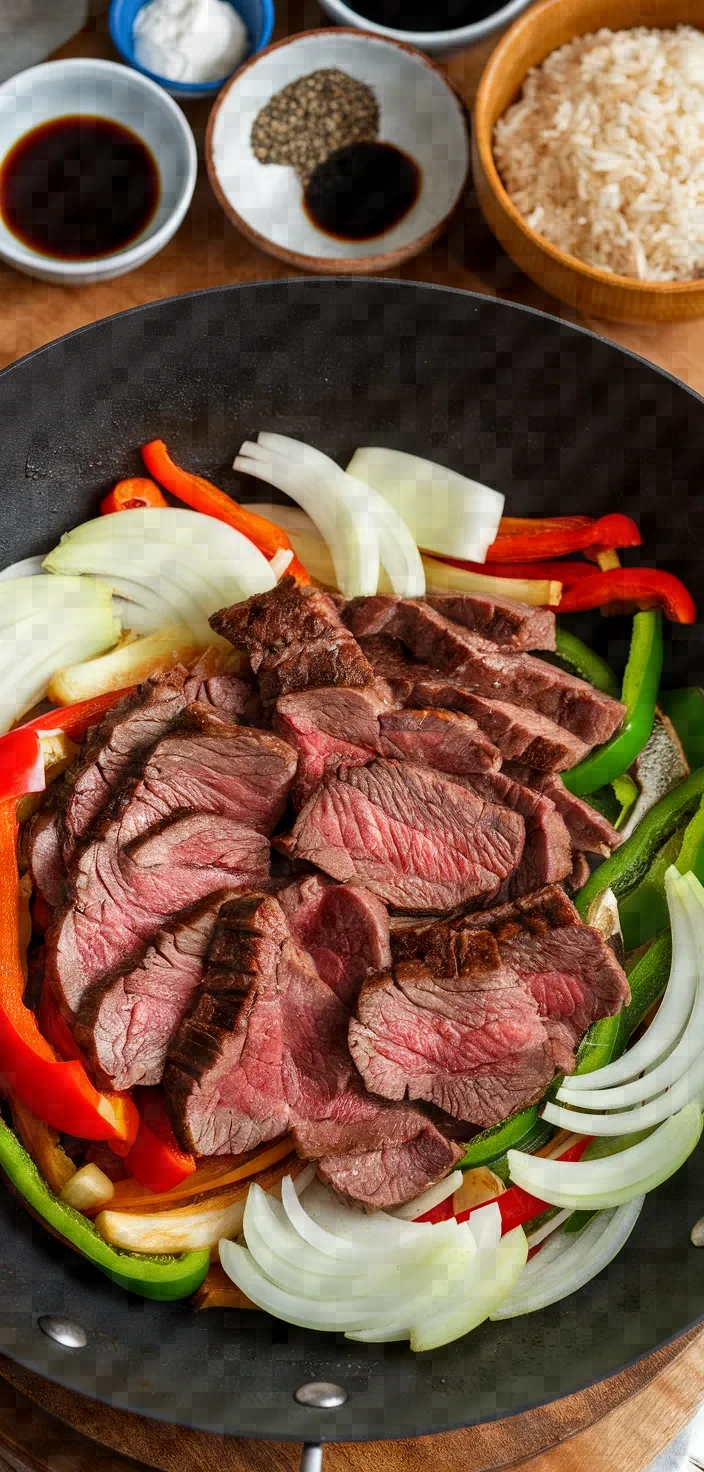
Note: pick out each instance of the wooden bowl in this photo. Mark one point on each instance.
(594, 292)
(419, 111)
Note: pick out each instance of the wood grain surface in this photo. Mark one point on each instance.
(616, 1426)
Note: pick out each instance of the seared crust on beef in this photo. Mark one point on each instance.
(294, 639)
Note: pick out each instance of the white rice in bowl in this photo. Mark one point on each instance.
(603, 153)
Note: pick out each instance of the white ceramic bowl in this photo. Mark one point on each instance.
(101, 89)
(419, 111)
(436, 43)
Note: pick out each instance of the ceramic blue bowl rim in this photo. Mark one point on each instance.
(121, 36)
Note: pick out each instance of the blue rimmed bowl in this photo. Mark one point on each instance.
(258, 16)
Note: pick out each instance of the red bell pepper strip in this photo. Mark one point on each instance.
(54, 1027)
(58, 1093)
(202, 496)
(534, 539)
(516, 1206)
(567, 573)
(642, 587)
(21, 763)
(21, 757)
(129, 494)
(156, 1159)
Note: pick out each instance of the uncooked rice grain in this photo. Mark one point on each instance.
(603, 153)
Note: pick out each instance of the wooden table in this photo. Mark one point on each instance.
(618, 1426)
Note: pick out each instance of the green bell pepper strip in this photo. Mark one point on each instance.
(578, 1221)
(161, 1277)
(584, 662)
(685, 708)
(639, 694)
(631, 862)
(522, 1131)
(643, 913)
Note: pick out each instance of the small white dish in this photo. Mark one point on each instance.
(436, 43)
(108, 90)
(419, 112)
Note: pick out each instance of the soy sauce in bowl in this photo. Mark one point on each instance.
(78, 187)
(361, 191)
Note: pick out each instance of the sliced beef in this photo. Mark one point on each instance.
(441, 739)
(335, 725)
(518, 732)
(328, 726)
(547, 855)
(343, 927)
(513, 625)
(232, 697)
(453, 1027)
(124, 895)
(294, 639)
(44, 852)
(587, 828)
(126, 1022)
(489, 670)
(210, 765)
(418, 840)
(265, 1050)
(398, 1170)
(570, 971)
(114, 750)
(578, 874)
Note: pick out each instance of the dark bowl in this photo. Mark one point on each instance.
(559, 420)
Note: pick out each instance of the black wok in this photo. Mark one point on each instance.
(560, 421)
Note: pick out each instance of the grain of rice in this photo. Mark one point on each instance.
(603, 153)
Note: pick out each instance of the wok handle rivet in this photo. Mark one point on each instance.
(63, 1331)
(321, 1395)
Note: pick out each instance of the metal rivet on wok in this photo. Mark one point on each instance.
(321, 1395)
(64, 1331)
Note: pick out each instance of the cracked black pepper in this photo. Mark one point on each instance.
(313, 117)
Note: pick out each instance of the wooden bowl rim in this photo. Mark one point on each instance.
(482, 133)
(332, 265)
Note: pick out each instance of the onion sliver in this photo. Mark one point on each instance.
(56, 621)
(307, 1313)
(547, 1229)
(574, 1260)
(353, 543)
(672, 1014)
(434, 1196)
(398, 552)
(379, 1231)
(600, 1184)
(266, 1219)
(498, 1272)
(444, 511)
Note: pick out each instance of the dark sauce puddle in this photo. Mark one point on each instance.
(78, 187)
(362, 191)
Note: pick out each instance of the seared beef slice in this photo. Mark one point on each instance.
(208, 767)
(521, 734)
(295, 639)
(513, 625)
(547, 854)
(418, 840)
(123, 896)
(587, 828)
(569, 970)
(265, 1050)
(343, 927)
(489, 670)
(454, 1028)
(126, 1022)
(335, 725)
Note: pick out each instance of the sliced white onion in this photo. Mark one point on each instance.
(29, 567)
(398, 553)
(56, 621)
(547, 1229)
(672, 1013)
(175, 566)
(616, 1179)
(377, 1230)
(281, 561)
(460, 1313)
(444, 512)
(353, 542)
(570, 1260)
(434, 1196)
